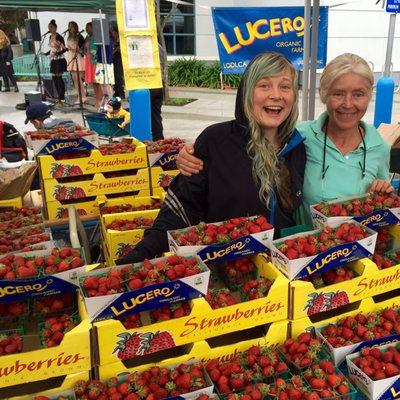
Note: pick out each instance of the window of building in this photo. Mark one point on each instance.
(179, 32)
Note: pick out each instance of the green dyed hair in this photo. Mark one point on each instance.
(264, 159)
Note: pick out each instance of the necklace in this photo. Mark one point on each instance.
(362, 166)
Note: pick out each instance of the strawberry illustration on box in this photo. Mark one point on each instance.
(119, 291)
(223, 241)
(306, 253)
(374, 210)
(375, 371)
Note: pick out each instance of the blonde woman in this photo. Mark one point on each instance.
(252, 165)
(6, 67)
(345, 155)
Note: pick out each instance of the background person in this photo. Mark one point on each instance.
(41, 117)
(6, 67)
(114, 110)
(75, 61)
(253, 165)
(90, 64)
(117, 62)
(58, 63)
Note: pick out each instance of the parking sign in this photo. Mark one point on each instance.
(393, 6)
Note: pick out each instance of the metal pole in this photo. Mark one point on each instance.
(306, 60)
(389, 46)
(103, 48)
(313, 63)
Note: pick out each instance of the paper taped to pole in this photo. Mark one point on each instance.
(139, 45)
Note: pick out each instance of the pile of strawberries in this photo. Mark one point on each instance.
(20, 222)
(59, 133)
(388, 260)
(54, 304)
(128, 225)
(54, 328)
(140, 275)
(10, 214)
(132, 321)
(255, 364)
(173, 311)
(12, 315)
(168, 269)
(164, 145)
(59, 260)
(358, 207)
(21, 244)
(204, 234)
(293, 389)
(326, 381)
(312, 244)
(383, 241)
(303, 351)
(378, 363)
(10, 342)
(362, 327)
(116, 148)
(155, 204)
(330, 277)
(256, 288)
(238, 271)
(102, 284)
(219, 298)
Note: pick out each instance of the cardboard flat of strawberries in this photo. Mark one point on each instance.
(42, 284)
(333, 257)
(123, 300)
(356, 208)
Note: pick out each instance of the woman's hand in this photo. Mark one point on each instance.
(380, 185)
(187, 163)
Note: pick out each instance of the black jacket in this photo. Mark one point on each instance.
(224, 189)
(6, 55)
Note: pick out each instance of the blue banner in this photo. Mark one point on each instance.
(244, 32)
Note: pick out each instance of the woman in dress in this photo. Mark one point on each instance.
(58, 63)
(75, 61)
(90, 64)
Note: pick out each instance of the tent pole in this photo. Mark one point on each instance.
(313, 63)
(306, 60)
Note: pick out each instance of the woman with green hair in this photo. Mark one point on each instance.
(253, 165)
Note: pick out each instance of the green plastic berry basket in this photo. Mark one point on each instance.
(75, 318)
(235, 286)
(8, 332)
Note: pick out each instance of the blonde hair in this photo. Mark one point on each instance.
(344, 64)
(265, 167)
(4, 40)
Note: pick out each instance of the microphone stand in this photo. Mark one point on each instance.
(36, 63)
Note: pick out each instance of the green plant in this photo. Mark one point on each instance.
(192, 72)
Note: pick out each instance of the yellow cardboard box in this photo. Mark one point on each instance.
(15, 202)
(48, 387)
(204, 322)
(305, 300)
(99, 184)
(116, 241)
(202, 350)
(56, 209)
(364, 306)
(71, 356)
(94, 163)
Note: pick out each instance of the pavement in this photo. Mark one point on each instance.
(187, 121)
